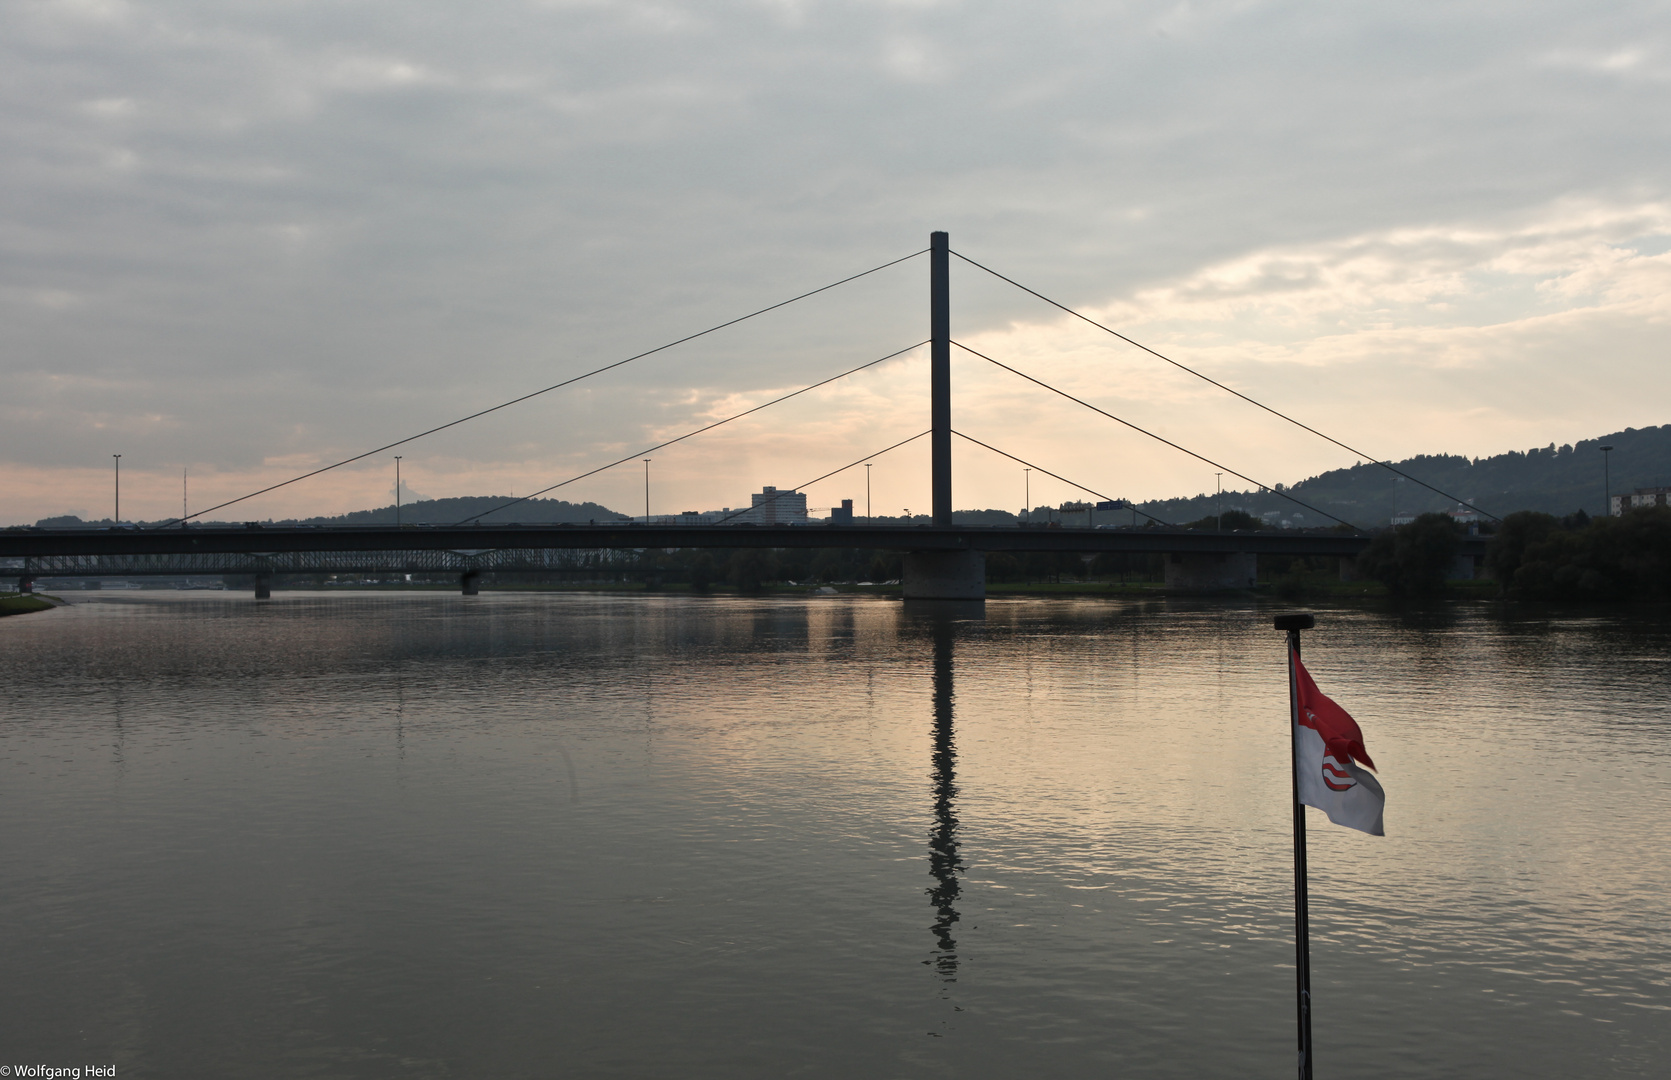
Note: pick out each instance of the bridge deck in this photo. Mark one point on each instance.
(27, 542)
(519, 549)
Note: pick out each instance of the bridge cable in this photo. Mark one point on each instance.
(826, 476)
(1152, 435)
(689, 434)
(1207, 378)
(555, 386)
(1040, 468)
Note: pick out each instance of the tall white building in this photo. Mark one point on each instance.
(769, 506)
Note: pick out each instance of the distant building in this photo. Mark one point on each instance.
(843, 514)
(1104, 516)
(769, 506)
(1648, 496)
(1075, 515)
(1464, 514)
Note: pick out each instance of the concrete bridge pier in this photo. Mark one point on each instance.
(26, 583)
(1212, 571)
(263, 586)
(470, 582)
(944, 575)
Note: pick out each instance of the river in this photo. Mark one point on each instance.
(570, 834)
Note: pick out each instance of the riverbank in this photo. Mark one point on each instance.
(23, 603)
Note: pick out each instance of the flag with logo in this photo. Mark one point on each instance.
(1332, 767)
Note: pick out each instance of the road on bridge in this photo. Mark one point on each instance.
(16, 543)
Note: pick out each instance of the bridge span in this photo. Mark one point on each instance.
(939, 559)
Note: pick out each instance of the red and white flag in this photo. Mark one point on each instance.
(1332, 765)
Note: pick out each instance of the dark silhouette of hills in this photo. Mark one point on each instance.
(452, 511)
(1554, 479)
(423, 512)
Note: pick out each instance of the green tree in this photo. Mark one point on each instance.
(701, 571)
(1622, 558)
(1517, 533)
(886, 566)
(1413, 559)
(750, 569)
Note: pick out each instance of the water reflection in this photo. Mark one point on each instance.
(943, 860)
(266, 874)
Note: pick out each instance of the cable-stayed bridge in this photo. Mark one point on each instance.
(941, 560)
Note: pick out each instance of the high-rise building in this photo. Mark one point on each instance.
(769, 506)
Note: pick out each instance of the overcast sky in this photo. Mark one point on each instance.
(249, 238)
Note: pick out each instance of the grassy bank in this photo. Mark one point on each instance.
(23, 604)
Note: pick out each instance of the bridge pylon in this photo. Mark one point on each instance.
(942, 575)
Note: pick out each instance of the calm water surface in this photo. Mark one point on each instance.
(576, 835)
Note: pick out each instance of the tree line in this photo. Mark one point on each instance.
(1535, 556)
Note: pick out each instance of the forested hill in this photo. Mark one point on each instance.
(1554, 479)
(452, 511)
(424, 512)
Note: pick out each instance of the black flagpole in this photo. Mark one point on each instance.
(1302, 916)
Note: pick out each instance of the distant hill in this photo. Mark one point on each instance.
(1555, 480)
(451, 511)
(424, 512)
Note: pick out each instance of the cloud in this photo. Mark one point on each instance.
(231, 234)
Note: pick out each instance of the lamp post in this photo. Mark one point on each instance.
(647, 490)
(1218, 523)
(1606, 483)
(1027, 495)
(867, 492)
(118, 458)
(397, 491)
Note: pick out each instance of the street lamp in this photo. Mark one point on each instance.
(118, 458)
(397, 491)
(1027, 495)
(1606, 483)
(647, 490)
(1218, 524)
(867, 492)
